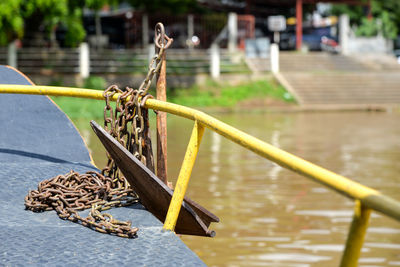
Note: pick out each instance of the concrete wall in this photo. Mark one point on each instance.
(369, 45)
(352, 44)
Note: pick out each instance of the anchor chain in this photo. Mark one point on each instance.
(73, 192)
(128, 124)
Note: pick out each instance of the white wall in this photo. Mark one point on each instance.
(369, 45)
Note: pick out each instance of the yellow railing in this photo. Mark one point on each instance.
(366, 199)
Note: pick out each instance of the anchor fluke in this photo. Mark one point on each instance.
(153, 193)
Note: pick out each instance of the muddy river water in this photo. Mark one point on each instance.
(273, 217)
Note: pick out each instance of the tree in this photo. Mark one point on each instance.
(44, 14)
(386, 18)
(19, 18)
(11, 21)
(75, 32)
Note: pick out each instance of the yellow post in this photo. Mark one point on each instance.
(356, 236)
(184, 176)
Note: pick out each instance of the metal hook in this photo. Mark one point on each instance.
(160, 37)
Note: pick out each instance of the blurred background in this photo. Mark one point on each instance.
(107, 41)
(319, 79)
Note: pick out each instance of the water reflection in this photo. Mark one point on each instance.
(273, 217)
(276, 168)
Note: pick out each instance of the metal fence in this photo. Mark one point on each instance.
(126, 61)
(3, 56)
(180, 61)
(47, 61)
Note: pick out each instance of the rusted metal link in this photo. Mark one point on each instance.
(127, 123)
(69, 193)
(161, 40)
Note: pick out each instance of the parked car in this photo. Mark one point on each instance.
(312, 38)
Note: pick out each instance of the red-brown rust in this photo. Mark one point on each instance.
(162, 125)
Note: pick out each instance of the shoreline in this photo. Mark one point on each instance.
(269, 105)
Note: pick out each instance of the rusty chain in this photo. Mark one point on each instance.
(73, 192)
(128, 124)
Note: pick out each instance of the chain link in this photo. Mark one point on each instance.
(73, 192)
(128, 124)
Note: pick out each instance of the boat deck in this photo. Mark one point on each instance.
(38, 142)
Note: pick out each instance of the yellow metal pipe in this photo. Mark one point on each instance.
(52, 90)
(356, 236)
(184, 177)
(369, 197)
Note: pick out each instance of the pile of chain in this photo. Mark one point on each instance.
(127, 123)
(73, 192)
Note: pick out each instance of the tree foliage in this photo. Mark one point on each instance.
(11, 21)
(75, 32)
(385, 18)
(50, 12)
(25, 17)
(19, 17)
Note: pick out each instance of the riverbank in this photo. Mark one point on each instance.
(221, 97)
(254, 96)
(215, 94)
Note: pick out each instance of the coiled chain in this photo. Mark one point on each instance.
(128, 124)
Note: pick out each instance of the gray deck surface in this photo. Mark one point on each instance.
(37, 141)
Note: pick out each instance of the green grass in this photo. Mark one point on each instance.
(215, 95)
(77, 108)
(210, 95)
